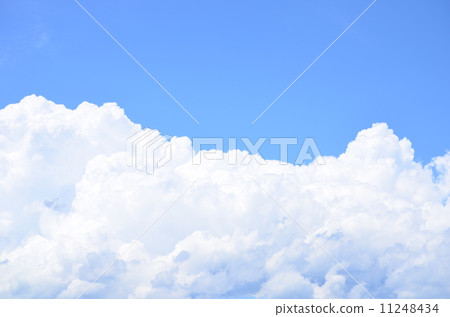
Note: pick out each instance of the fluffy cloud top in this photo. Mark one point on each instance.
(69, 206)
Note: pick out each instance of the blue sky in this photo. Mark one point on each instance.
(379, 221)
(226, 62)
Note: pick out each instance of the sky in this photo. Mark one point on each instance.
(78, 221)
(226, 62)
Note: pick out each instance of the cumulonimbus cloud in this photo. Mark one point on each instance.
(69, 206)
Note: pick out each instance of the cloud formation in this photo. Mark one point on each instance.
(69, 206)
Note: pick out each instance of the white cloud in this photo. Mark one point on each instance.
(69, 206)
